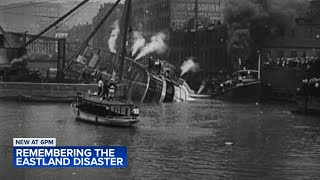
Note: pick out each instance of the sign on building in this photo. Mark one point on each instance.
(183, 10)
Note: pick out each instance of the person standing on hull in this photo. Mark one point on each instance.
(157, 65)
(112, 90)
(135, 112)
(105, 89)
(100, 86)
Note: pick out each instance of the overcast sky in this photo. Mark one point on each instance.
(3, 2)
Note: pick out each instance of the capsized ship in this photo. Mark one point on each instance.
(144, 85)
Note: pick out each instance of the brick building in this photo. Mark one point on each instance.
(83, 15)
(78, 34)
(101, 37)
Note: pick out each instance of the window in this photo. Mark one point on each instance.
(293, 53)
(280, 54)
(308, 32)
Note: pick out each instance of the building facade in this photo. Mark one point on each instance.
(206, 46)
(78, 34)
(162, 15)
(101, 38)
(192, 27)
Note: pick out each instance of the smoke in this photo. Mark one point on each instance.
(138, 42)
(157, 45)
(114, 36)
(20, 62)
(252, 22)
(189, 65)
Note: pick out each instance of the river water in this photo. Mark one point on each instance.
(175, 141)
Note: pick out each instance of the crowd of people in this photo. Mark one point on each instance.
(290, 63)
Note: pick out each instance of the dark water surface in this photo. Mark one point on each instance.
(175, 141)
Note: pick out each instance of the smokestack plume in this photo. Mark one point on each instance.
(138, 42)
(188, 66)
(157, 45)
(21, 62)
(114, 36)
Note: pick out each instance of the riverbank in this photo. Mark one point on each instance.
(11, 90)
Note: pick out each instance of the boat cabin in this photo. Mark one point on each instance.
(103, 108)
(245, 76)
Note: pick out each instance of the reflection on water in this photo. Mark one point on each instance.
(176, 141)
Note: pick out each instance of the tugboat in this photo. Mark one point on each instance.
(91, 109)
(244, 85)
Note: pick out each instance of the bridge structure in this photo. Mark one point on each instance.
(48, 45)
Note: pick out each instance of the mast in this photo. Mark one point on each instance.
(54, 23)
(92, 34)
(124, 40)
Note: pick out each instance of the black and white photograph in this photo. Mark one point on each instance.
(160, 89)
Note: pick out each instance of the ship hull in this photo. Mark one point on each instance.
(145, 86)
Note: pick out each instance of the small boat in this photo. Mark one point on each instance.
(91, 109)
(243, 86)
(39, 98)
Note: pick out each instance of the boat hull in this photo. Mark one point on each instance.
(110, 121)
(247, 92)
